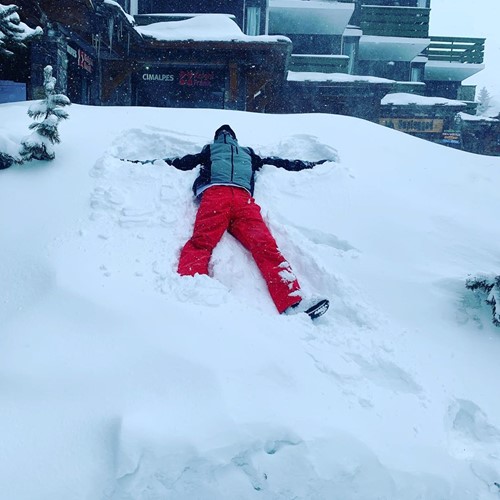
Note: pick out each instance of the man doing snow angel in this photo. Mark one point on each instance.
(225, 185)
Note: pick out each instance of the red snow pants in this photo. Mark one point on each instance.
(233, 209)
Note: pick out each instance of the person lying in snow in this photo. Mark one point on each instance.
(225, 185)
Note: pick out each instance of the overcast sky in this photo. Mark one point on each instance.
(472, 18)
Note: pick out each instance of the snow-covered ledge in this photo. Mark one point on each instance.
(454, 71)
(311, 76)
(403, 99)
(310, 18)
(391, 48)
(202, 28)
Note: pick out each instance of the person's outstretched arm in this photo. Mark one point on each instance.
(189, 162)
(292, 165)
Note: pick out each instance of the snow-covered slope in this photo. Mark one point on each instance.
(120, 380)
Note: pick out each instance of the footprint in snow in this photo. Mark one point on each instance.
(387, 374)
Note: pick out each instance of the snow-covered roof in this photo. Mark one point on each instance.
(309, 18)
(130, 18)
(390, 48)
(412, 84)
(311, 76)
(476, 118)
(205, 27)
(403, 99)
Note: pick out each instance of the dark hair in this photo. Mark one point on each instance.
(225, 128)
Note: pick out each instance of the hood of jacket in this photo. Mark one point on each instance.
(225, 138)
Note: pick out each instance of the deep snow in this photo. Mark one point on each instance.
(120, 380)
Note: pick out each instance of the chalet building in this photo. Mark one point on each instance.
(101, 56)
(281, 56)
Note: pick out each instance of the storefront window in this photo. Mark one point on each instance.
(180, 87)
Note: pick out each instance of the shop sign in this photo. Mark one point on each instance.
(183, 78)
(451, 137)
(196, 78)
(157, 77)
(85, 61)
(415, 125)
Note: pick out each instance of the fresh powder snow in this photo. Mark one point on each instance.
(203, 28)
(121, 380)
(404, 99)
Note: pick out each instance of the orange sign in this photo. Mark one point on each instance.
(417, 125)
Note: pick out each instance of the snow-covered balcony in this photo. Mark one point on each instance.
(393, 33)
(450, 71)
(454, 59)
(319, 63)
(390, 48)
(313, 17)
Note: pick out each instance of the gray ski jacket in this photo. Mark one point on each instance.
(225, 163)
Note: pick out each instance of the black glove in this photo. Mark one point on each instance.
(168, 161)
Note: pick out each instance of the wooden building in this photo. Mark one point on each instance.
(99, 57)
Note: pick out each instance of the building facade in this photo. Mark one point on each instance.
(331, 56)
(380, 38)
(100, 57)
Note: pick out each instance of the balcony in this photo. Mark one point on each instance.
(453, 59)
(453, 49)
(319, 63)
(309, 18)
(406, 22)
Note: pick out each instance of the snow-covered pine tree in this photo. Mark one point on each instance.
(39, 144)
(13, 32)
(491, 287)
(484, 100)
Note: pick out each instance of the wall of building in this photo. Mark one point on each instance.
(359, 99)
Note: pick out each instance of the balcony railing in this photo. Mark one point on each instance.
(453, 49)
(319, 63)
(408, 22)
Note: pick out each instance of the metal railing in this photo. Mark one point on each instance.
(408, 22)
(455, 49)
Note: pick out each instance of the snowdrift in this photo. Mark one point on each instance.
(120, 380)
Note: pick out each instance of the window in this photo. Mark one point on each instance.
(350, 47)
(252, 21)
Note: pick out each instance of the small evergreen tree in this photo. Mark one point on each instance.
(484, 100)
(39, 144)
(13, 32)
(490, 287)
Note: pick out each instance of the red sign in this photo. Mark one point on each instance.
(85, 61)
(196, 78)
